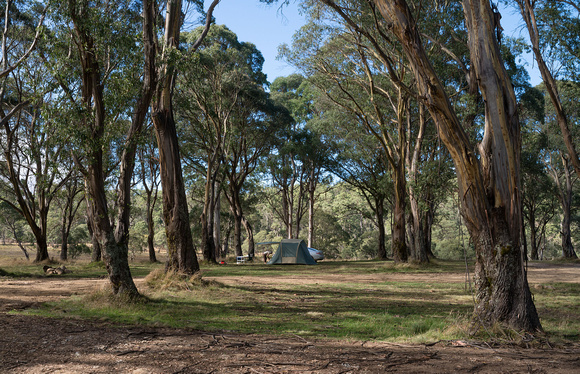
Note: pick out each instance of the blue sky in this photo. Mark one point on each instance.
(267, 27)
(264, 25)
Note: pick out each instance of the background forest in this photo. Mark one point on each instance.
(339, 155)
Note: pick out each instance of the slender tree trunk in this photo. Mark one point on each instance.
(489, 184)
(380, 211)
(419, 253)
(181, 252)
(207, 241)
(250, 233)
(96, 251)
(150, 228)
(311, 200)
(533, 235)
(64, 237)
(566, 198)
(398, 241)
(428, 221)
(217, 223)
(237, 234)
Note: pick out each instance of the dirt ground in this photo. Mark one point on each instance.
(40, 345)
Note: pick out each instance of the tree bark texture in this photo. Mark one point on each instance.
(489, 184)
(566, 201)
(418, 246)
(250, 233)
(398, 240)
(207, 219)
(181, 252)
(150, 228)
(114, 242)
(379, 212)
(217, 223)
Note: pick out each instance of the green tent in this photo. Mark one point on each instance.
(292, 251)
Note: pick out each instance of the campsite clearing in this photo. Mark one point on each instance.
(34, 344)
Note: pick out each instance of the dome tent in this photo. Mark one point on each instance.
(292, 251)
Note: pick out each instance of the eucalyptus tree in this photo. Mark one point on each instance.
(559, 161)
(539, 195)
(360, 162)
(148, 176)
(557, 52)
(69, 200)
(287, 167)
(31, 144)
(209, 92)
(106, 90)
(560, 169)
(180, 247)
(538, 198)
(489, 172)
(256, 125)
(231, 118)
(344, 66)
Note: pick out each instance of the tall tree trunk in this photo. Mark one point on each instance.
(250, 233)
(311, 201)
(150, 227)
(489, 184)
(217, 223)
(419, 253)
(207, 242)
(398, 241)
(380, 211)
(566, 198)
(428, 222)
(181, 252)
(237, 213)
(533, 235)
(64, 237)
(237, 234)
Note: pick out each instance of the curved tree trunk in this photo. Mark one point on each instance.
(489, 184)
(528, 14)
(419, 252)
(181, 252)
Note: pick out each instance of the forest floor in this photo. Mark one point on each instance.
(32, 344)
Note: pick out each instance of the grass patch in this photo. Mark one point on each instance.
(341, 307)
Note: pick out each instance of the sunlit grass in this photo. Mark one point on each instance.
(340, 307)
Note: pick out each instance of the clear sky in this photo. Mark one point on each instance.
(267, 27)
